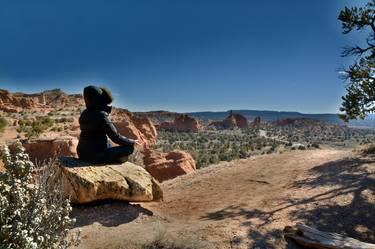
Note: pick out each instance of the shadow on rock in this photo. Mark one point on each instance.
(107, 213)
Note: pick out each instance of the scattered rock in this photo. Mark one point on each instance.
(164, 166)
(85, 183)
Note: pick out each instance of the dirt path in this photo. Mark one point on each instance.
(246, 203)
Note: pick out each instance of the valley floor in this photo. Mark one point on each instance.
(246, 203)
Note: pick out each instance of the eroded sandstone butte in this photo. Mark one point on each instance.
(234, 120)
(134, 127)
(182, 123)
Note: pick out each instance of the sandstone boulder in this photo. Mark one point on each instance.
(182, 123)
(85, 183)
(44, 149)
(164, 166)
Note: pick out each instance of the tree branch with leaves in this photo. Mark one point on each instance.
(359, 100)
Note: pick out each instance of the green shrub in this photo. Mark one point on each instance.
(162, 240)
(33, 215)
(3, 123)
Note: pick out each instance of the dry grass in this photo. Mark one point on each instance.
(164, 240)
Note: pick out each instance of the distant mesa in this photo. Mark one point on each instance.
(234, 120)
(182, 123)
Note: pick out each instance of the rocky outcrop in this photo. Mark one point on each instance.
(51, 99)
(10, 102)
(41, 150)
(256, 122)
(164, 166)
(134, 127)
(182, 123)
(234, 120)
(85, 183)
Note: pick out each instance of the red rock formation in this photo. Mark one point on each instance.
(52, 99)
(134, 127)
(182, 123)
(41, 150)
(256, 122)
(164, 166)
(233, 120)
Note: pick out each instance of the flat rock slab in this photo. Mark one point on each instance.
(85, 183)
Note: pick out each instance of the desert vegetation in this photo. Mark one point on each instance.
(3, 123)
(314, 133)
(33, 214)
(212, 146)
(164, 240)
(35, 127)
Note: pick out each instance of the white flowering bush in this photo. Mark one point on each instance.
(32, 214)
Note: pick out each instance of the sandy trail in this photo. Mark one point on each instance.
(246, 203)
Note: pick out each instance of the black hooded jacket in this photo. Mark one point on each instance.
(96, 126)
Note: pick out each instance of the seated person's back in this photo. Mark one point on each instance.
(95, 126)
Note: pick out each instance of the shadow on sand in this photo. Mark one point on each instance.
(108, 213)
(350, 179)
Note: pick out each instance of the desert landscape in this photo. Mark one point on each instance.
(187, 124)
(229, 183)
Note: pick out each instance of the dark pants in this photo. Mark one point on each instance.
(118, 154)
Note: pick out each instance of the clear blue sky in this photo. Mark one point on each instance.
(179, 55)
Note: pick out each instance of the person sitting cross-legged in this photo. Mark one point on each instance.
(93, 146)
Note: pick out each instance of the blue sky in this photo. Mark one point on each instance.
(180, 55)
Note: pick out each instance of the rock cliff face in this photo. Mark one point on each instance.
(51, 99)
(134, 127)
(182, 123)
(164, 166)
(232, 121)
(41, 150)
(85, 183)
